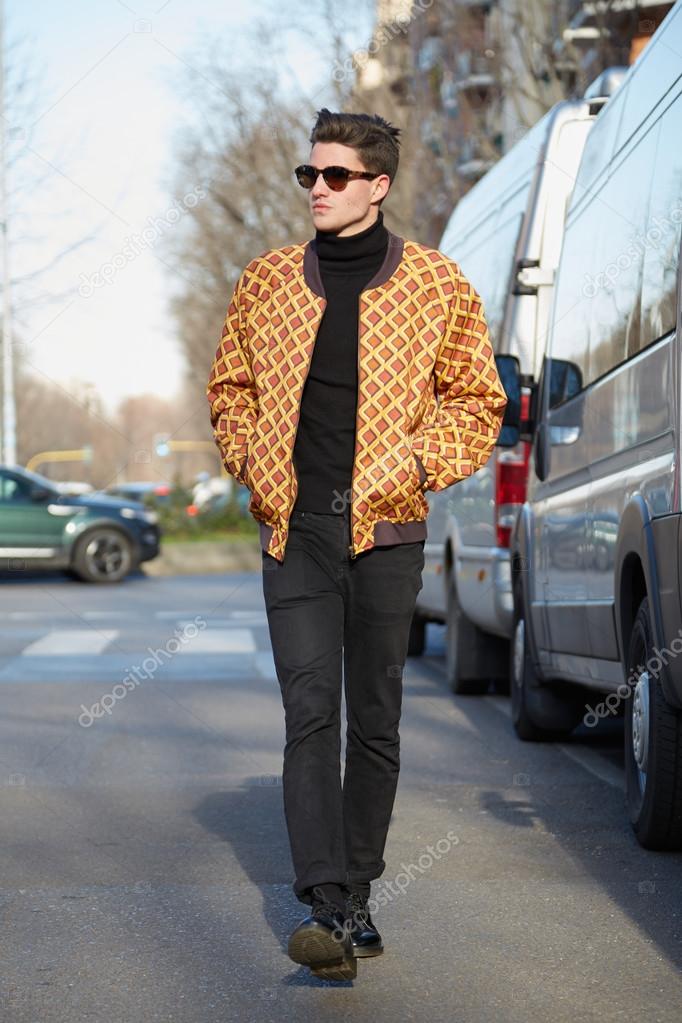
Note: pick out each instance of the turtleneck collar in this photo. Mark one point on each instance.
(343, 253)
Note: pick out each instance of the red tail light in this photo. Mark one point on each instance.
(510, 482)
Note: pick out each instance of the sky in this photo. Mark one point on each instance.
(89, 152)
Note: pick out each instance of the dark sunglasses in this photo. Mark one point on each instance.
(336, 177)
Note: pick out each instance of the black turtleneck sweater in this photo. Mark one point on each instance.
(325, 440)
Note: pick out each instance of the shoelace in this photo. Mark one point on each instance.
(324, 909)
(357, 907)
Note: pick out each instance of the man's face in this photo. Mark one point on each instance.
(353, 209)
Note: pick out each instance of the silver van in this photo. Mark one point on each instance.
(506, 234)
(596, 552)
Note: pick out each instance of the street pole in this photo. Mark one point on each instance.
(9, 454)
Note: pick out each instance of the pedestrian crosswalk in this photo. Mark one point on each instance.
(220, 641)
(42, 647)
(58, 642)
(191, 614)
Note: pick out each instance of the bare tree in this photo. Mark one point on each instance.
(250, 133)
(29, 171)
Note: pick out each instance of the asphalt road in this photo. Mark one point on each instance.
(145, 868)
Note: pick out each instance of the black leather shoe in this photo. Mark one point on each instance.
(323, 943)
(364, 936)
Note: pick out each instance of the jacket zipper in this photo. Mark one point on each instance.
(353, 555)
(298, 421)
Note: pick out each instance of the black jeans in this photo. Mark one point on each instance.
(329, 614)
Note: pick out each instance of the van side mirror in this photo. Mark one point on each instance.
(565, 380)
(557, 423)
(565, 420)
(509, 372)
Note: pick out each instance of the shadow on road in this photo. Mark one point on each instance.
(586, 814)
(252, 820)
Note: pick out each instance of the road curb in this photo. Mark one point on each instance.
(199, 557)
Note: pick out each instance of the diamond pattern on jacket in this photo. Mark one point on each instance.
(427, 386)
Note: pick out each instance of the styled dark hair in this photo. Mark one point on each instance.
(375, 139)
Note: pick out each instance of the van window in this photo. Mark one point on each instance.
(597, 311)
(622, 208)
(500, 259)
(489, 266)
(664, 230)
(653, 75)
(599, 147)
(574, 294)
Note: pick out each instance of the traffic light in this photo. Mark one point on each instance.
(161, 445)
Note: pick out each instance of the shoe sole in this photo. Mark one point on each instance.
(347, 970)
(326, 957)
(369, 952)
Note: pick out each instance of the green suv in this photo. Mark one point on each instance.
(92, 537)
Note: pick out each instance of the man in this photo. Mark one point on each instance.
(354, 373)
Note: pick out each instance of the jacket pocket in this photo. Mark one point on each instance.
(263, 504)
(394, 483)
(245, 472)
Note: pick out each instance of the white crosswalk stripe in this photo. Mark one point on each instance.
(98, 654)
(218, 641)
(61, 642)
(226, 618)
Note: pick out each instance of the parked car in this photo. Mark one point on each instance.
(98, 539)
(73, 487)
(213, 494)
(145, 490)
(596, 552)
(506, 234)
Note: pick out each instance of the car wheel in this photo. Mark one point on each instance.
(653, 746)
(461, 638)
(103, 555)
(538, 714)
(417, 640)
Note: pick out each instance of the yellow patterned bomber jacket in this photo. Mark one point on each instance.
(430, 401)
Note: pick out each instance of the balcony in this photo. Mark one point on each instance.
(602, 19)
(474, 72)
(472, 163)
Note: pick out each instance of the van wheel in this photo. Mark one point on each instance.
(461, 647)
(653, 746)
(538, 713)
(417, 640)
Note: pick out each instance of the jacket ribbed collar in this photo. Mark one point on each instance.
(311, 264)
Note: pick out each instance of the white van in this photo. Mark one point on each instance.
(597, 548)
(506, 235)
